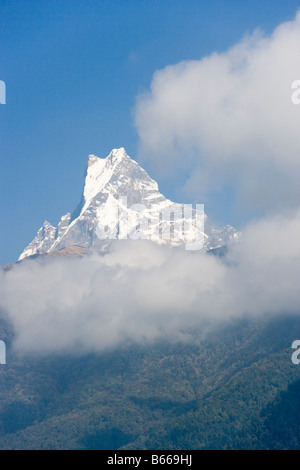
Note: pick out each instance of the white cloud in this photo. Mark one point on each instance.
(142, 291)
(229, 119)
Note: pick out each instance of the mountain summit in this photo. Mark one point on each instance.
(119, 201)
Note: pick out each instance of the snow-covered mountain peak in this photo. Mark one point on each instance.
(114, 180)
(115, 174)
(116, 155)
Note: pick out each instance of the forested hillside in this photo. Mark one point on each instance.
(231, 387)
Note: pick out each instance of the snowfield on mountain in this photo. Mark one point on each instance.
(119, 201)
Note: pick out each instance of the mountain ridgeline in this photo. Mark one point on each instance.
(118, 195)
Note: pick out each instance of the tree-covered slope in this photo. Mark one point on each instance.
(231, 387)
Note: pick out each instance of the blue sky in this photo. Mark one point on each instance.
(73, 70)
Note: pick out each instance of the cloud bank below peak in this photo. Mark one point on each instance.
(229, 119)
(142, 292)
